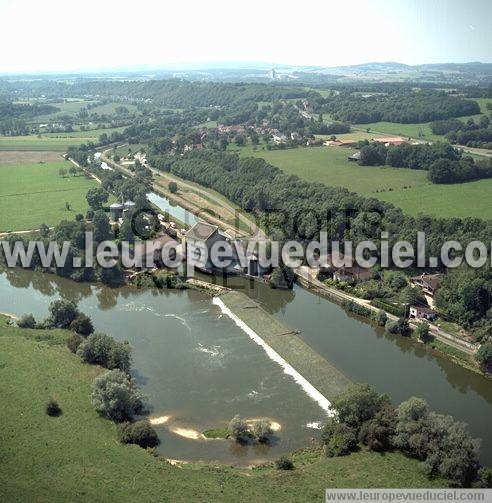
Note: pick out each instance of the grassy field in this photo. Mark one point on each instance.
(32, 194)
(422, 131)
(471, 199)
(43, 143)
(329, 165)
(55, 142)
(76, 457)
(406, 188)
(123, 150)
(92, 134)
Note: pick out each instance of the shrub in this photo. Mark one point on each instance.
(52, 408)
(339, 438)
(484, 478)
(442, 443)
(381, 318)
(284, 463)
(391, 308)
(262, 430)
(484, 356)
(378, 433)
(116, 396)
(173, 187)
(101, 349)
(74, 341)
(358, 404)
(63, 312)
(140, 433)
(26, 321)
(238, 429)
(423, 331)
(82, 324)
(399, 327)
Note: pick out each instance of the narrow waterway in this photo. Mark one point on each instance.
(175, 210)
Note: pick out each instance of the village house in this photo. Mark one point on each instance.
(279, 138)
(424, 313)
(429, 283)
(354, 273)
(333, 262)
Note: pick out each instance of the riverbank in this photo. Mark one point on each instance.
(320, 379)
(76, 456)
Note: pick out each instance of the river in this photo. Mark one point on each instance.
(200, 369)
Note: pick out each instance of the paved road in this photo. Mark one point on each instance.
(310, 281)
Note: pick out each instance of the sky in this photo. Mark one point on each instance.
(61, 35)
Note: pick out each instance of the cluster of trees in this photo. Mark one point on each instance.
(242, 432)
(419, 156)
(178, 93)
(466, 296)
(63, 314)
(403, 106)
(14, 116)
(469, 133)
(444, 163)
(363, 416)
(464, 170)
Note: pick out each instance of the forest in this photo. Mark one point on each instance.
(403, 106)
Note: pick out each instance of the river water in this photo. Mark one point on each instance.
(199, 369)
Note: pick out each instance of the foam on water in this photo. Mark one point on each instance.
(308, 388)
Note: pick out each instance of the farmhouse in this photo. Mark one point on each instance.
(423, 313)
(429, 283)
(348, 143)
(332, 143)
(387, 141)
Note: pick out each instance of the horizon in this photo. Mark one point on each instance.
(191, 66)
(411, 32)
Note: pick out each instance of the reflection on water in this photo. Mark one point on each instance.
(200, 369)
(173, 209)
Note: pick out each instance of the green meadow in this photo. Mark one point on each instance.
(471, 199)
(76, 457)
(33, 194)
(41, 143)
(329, 165)
(408, 189)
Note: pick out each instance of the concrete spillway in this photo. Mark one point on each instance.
(232, 302)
